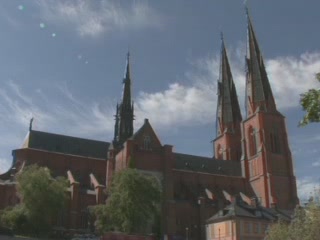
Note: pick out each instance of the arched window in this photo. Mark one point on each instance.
(275, 143)
(219, 152)
(252, 134)
(146, 142)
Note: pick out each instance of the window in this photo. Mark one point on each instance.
(264, 227)
(146, 142)
(219, 152)
(253, 168)
(275, 140)
(246, 227)
(255, 228)
(253, 140)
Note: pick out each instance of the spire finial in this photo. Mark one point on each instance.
(30, 125)
(221, 36)
(127, 73)
(128, 54)
(245, 3)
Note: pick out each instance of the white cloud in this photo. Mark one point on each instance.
(188, 103)
(195, 103)
(4, 165)
(191, 102)
(78, 117)
(307, 187)
(316, 163)
(92, 18)
(71, 117)
(292, 76)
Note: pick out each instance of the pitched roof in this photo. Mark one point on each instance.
(239, 208)
(258, 87)
(207, 165)
(146, 128)
(228, 111)
(66, 144)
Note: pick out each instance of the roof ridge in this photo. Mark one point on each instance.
(68, 136)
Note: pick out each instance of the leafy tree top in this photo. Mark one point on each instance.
(133, 203)
(43, 198)
(310, 102)
(304, 225)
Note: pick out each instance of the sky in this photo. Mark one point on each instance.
(62, 63)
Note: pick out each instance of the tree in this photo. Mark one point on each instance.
(15, 218)
(42, 197)
(133, 204)
(278, 231)
(310, 102)
(304, 225)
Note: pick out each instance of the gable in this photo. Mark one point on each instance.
(146, 138)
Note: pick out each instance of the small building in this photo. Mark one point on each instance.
(242, 220)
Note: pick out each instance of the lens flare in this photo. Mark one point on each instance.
(53, 34)
(42, 25)
(21, 7)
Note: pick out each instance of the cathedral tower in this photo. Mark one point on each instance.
(124, 117)
(227, 143)
(266, 157)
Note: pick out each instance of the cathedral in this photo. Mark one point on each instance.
(251, 172)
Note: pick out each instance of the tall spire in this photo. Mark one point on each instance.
(116, 125)
(228, 114)
(126, 95)
(124, 116)
(258, 91)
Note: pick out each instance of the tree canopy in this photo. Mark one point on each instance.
(305, 225)
(133, 203)
(43, 198)
(310, 102)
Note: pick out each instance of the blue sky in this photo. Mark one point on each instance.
(62, 62)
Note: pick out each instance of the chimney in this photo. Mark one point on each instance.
(254, 202)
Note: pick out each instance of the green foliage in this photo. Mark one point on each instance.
(278, 231)
(43, 198)
(305, 225)
(310, 102)
(15, 218)
(133, 204)
(102, 223)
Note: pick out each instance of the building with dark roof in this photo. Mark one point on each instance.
(244, 220)
(252, 160)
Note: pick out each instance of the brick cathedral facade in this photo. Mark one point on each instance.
(252, 157)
